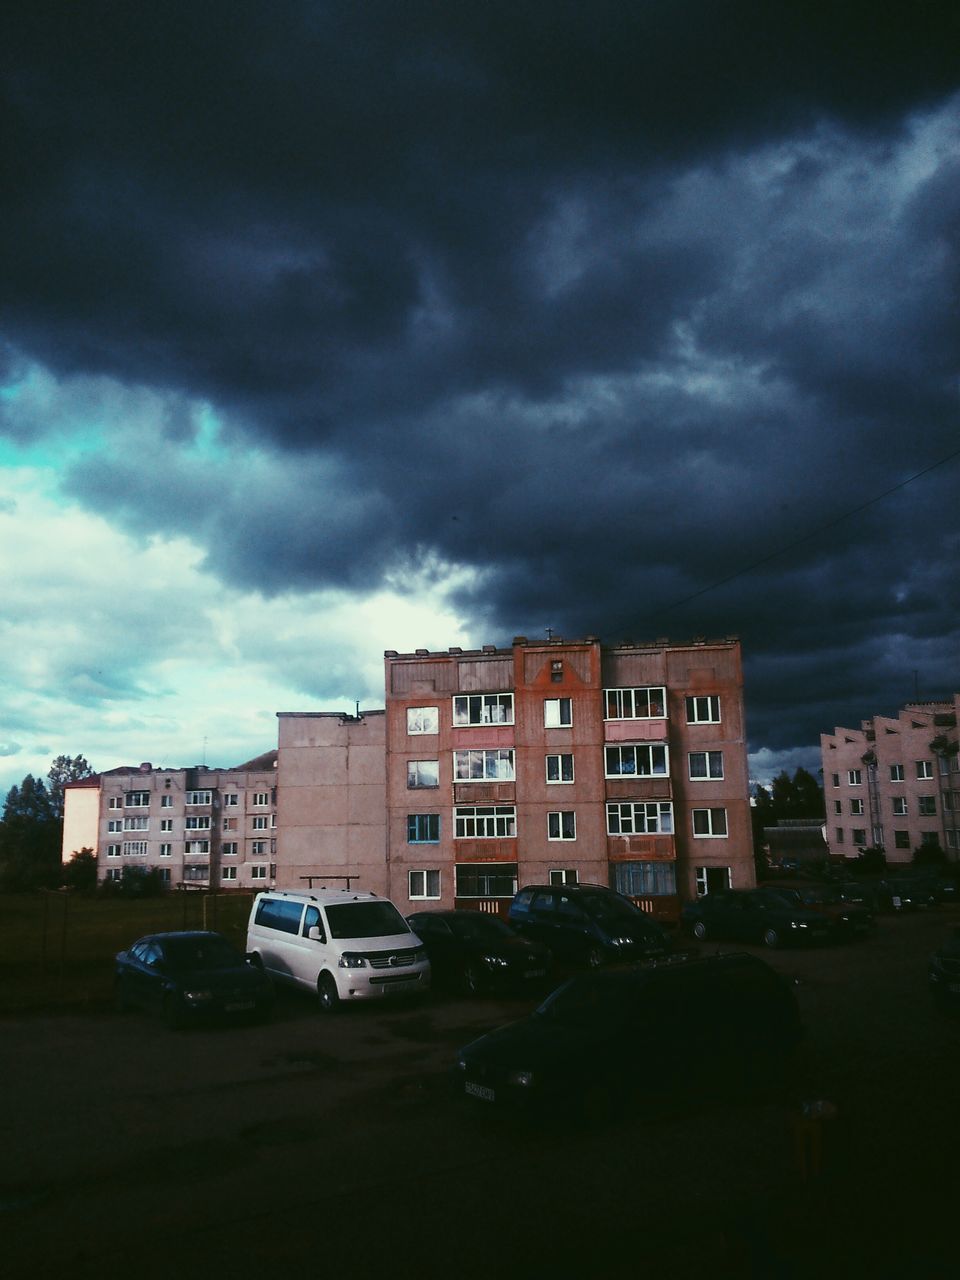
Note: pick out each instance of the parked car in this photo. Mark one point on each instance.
(857, 894)
(903, 893)
(942, 888)
(846, 920)
(476, 952)
(188, 977)
(943, 971)
(586, 924)
(754, 915)
(622, 1037)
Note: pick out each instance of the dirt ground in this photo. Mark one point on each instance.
(336, 1146)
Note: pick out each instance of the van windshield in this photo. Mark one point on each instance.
(365, 920)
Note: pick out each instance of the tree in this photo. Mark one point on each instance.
(29, 837)
(81, 871)
(65, 769)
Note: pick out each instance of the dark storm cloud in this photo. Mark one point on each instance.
(606, 301)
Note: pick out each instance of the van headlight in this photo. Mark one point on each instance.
(621, 942)
(352, 960)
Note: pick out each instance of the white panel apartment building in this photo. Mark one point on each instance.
(894, 783)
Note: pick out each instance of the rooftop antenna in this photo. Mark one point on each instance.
(549, 633)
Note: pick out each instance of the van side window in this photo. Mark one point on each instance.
(311, 920)
(275, 913)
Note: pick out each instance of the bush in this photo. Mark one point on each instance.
(929, 855)
(869, 862)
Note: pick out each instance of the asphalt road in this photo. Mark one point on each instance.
(334, 1146)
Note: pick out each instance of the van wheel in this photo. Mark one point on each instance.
(327, 994)
(771, 938)
(700, 930)
(256, 960)
(594, 958)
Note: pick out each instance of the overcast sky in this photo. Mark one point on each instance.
(331, 328)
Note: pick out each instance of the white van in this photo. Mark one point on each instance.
(336, 943)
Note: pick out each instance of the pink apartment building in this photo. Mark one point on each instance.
(894, 783)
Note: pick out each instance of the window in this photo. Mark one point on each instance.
(231, 800)
(928, 838)
(924, 769)
(197, 846)
(229, 849)
(423, 773)
(485, 822)
(901, 839)
(166, 824)
(644, 760)
(113, 873)
(896, 773)
(562, 825)
(482, 708)
(141, 799)
(856, 806)
(230, 824)
(164, 874)
(839, 835)
(558, 713)
(926, 806)
(899, 806)
(116, 824)
(858, 835)
(197, 822)
(228, 873)
(260, 823)
(640, 818)
(635, 704)
(703, 710)
(477, 766)
(423, 884)
(166, 802)
(709, 823)
(854, 777)
(568, 875)
(560, 768)
(645, 879)
(196, 872)
(258, 873)
(705, 764)
(198, 797)
(423, 828)
(712, 880)
(261, 798)
(556, 671)
(136, 824)
(258, 848)
(423, 720)
(115, 802)
(838, 806)
(836, 779)
(486, 880)
(166, 850)
(953, 839)
(113, 851)
(135, 848)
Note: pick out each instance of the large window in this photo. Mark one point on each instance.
(560, 768)
(705, 765)
(645, 879)
(495, 765)
(485, 821)
(423, 720)
(486, 880)
(641, 760)
(924, 770)
(562, 825)
(926, 806)
(703, 710)
(198, 797)
(423, 773)
(709, 823)
(260, 823)
(564, 875)
(136, 824)
(141, 799)
(423, 884)
(135, 848)
(261, 798)
(482, 708)
(558, 713)
(199, 822)
(423, 828)
(196, 846)
(640, 818)
(635, 704)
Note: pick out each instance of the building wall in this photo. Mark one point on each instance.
(885, 785)
(331, 800)
(422, 689)
(81, 817)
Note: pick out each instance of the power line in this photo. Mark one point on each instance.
(807, 537)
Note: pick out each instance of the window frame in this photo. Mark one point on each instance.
(427, 820)
(638, 749)
(485, 814)
(425, 873)
(692, 703)
(706, 776)
(419, 724)
(499, 755)
(414, 782)
(711, 821)
(561, 704)
(472, 713)
(565, 825)
(924, 770)
(620, 695)
(664, 808)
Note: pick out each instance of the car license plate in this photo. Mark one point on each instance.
(535, 973)
(479, 1091)
(238, 1006)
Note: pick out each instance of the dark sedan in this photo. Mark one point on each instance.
(904, 893)
(188, 977)
(845, 919)
(754, 915)
(943, 971)
(474, 952)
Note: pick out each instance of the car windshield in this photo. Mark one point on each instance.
(609, 910)
(201, 953)
(365, 920)
(480, 928)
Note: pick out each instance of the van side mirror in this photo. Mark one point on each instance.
(315, 934)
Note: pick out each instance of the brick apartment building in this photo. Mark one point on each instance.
(197, 827)
(894, 783)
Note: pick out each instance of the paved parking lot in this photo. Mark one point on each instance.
(336, 1145)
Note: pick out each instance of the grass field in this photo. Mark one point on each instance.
(57, 948)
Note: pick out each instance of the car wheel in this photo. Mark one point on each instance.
(771, 938)
(256, 961)
(328, 996)
(700, 930)
(471, 980)
(594, 958)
